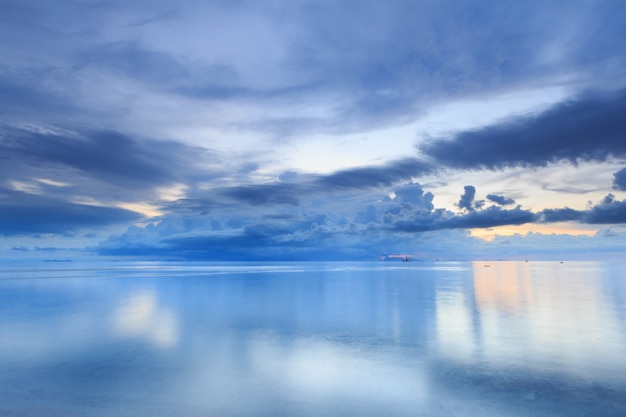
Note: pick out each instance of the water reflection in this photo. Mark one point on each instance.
(315, 339)
(549, 316)
(140, 316)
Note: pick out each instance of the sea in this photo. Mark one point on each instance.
(312, 339)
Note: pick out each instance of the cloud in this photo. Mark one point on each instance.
(376, 176)
(498, 199)
(467, 199)
(27, 214)
(590, 127)
(131, 60)
(95, 163)
(407, 221)
(560, 215)
(609, 211)
(441, 220)
(56, 180)
(104, 154)
(392, 59)
(619, 180)
(314, 229)
(277, 193)
(80, 79)
(295, 188)
(371, 67)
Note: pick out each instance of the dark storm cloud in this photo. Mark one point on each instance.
(619, 180)
(591, 127)
(27, 214)
(499, 199)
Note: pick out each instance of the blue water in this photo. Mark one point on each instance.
(313, 339)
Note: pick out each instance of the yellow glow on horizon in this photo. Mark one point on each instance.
(546, 229)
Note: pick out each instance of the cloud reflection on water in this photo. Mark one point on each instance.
(456, 339)
(139, 315)
(546, 317)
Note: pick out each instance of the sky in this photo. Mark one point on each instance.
(324, 130)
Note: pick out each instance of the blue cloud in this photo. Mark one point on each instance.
(295, 188)
(28, 214)
(501, 200)
(388, 225)
(130, 168)
(131, 60)
(377, 176)
(609, 211)
(591, 127)
(441, 220)
(72, 92)
(388, 62)
(619, 180)
(561, 215)
(467, 199)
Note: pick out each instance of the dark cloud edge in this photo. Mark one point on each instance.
(587, 127)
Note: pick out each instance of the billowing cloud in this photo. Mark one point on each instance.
(385, 224)
(441, 220)
(467, 199)
(315, 229)
(609, 211)
(619, 180)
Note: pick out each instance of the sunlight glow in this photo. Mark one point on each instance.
(146, 209)
(545, 229)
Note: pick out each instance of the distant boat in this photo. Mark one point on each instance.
(406, 259)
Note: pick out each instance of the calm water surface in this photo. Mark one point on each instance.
(313, 339)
